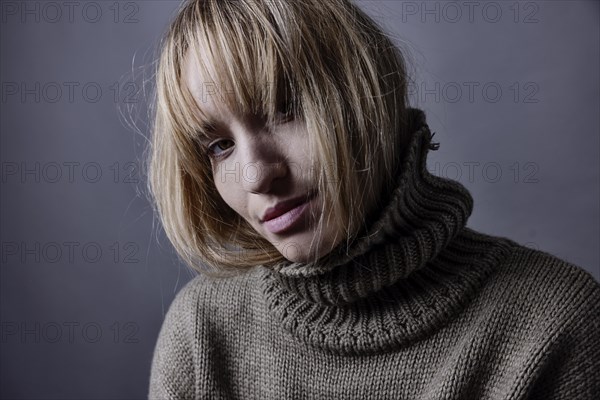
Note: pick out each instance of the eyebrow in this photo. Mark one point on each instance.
(205, 132)
(207, 126)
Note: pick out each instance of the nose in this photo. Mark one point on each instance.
(262, 164)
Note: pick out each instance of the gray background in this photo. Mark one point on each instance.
(511, 90)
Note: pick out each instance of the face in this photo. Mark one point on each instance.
(262, 171)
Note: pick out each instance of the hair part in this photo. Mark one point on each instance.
(343, 77)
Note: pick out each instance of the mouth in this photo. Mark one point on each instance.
(286, 214)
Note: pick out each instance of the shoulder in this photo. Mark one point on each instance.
(546, 309)
(554, 310)
(539, 290)
(209, 308)
(543, 270)
(205, 295)
(199, 317)
(519, 268)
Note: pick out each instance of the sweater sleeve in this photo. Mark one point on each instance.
(572, 371)
(172, 375)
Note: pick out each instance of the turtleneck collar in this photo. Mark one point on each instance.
(424, 216)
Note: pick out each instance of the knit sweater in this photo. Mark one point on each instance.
(420, 307)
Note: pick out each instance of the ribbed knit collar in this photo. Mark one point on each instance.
(387, 289)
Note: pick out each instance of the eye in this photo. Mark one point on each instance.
(285, 111)
(218, 148)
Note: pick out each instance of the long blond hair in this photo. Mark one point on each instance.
(348, 84)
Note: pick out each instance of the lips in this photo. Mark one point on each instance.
(286, 214)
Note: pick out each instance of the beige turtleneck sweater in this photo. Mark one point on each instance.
(421, 307)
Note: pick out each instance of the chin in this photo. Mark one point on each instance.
(299, 252)
(293, 253)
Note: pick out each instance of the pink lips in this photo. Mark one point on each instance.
(286, 214)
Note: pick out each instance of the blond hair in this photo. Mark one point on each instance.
(348, 84)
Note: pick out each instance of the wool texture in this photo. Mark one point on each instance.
(419, 307)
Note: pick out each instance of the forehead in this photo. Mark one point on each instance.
(202, 80)
(218, 79)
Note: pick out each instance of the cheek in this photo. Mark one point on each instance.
(231, 192)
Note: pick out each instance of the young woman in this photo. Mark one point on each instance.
(289, 170)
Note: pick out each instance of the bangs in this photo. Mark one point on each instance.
(238, 48)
